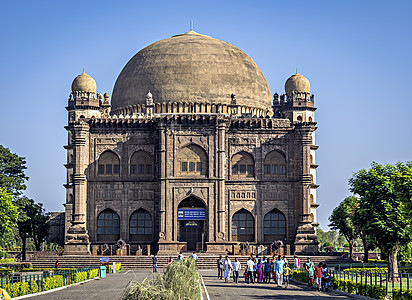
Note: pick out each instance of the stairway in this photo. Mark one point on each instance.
(205, 261)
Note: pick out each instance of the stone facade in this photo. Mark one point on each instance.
(250, 172)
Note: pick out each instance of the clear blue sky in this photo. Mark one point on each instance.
(356, 54)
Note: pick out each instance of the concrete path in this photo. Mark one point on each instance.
(218, 289)
(103, 289)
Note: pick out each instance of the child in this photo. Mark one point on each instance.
(246, 277)
(286, 275)
(318, 275)
(326, 277)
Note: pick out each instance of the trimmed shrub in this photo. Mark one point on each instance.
(52, 282)
(21, 288)
(47, 269)
(108, 266)
(7, 260)
(5, 272)
(80, 276)
(369, 270)
(17, 266)
(93, 273)
(406, 294)
(299, 276)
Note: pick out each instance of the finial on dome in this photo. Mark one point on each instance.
(191, 25)
(297, 71)
(83, 71)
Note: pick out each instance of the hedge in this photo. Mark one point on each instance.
(369, 270)
(80, 276)
(7, 260)
(93, 273)
(52, 282)
(47, 269)
(299, 276)
(5, 272)
(108, 266)
(17, 266)
(21, 288)
(352, 287)
(406, 294)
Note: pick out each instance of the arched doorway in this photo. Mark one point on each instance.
(191, 215)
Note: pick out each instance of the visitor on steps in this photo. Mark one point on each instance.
(279, 264)
(268, 270)
(310, 272)
(154, 263)
(318, 275)
(194, 256)
(250, 267)
(227, 266)
(286, 275)
(326, 277)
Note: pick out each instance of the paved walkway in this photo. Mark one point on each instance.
(218, 289)
(109, 288)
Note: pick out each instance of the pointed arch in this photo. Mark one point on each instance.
(108, 226)
(274, 226)
(243, 165)
(141, 226)
(141, 164)
(108, 164)
(243, 226)
(274, 164)
(192, 161)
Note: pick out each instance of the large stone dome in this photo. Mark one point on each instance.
(191, 67)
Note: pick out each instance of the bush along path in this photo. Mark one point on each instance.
(371, 282)
(180, 281)
(19, 285)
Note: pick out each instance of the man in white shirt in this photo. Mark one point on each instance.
(194, 256)
(250, 267)
(236, 268)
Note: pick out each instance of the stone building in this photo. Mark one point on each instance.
(191, 152)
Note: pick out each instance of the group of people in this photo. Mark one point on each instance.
(256, 270)
(320, 273)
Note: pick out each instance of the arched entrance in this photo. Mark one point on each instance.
(191, 215)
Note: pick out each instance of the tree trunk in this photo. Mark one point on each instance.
(23, 250)
(351, 242)
(365, 249)
(393, 265)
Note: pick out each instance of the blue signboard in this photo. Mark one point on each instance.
(191, 214)
(104, 259)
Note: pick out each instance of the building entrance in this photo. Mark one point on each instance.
(191, 214)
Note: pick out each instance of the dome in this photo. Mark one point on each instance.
(297, 83)
(191, 67)
(84, 83)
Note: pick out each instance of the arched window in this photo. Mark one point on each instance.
(275, 164)
(192, 160)
(310, 119)
(141, 226)
(300, 118)
(108, 226)
(274, 226)
(312, 200)
(243, 226)
(141, 164)
(109, 164)
(243, 165)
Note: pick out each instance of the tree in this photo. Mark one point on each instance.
(12, 168)
(8, 216)
(341, 220)
(32, 223)
(385, 200)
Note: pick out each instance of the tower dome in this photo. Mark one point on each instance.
(191, 67)
(297, 83)
(84, 83)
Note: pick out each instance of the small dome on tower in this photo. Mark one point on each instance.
(297, 83)
(84, 83)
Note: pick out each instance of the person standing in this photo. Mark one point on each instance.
(309, 272)
(250, 267)
(227, 266)
(57, 264)
(154, 259)
(318, 275)
(296, 265)
(255, 275)
(285, 260)
(220, 267)
(326, 277)
(268, 270)
(194, 256)
(279, 264)
(236, 269)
